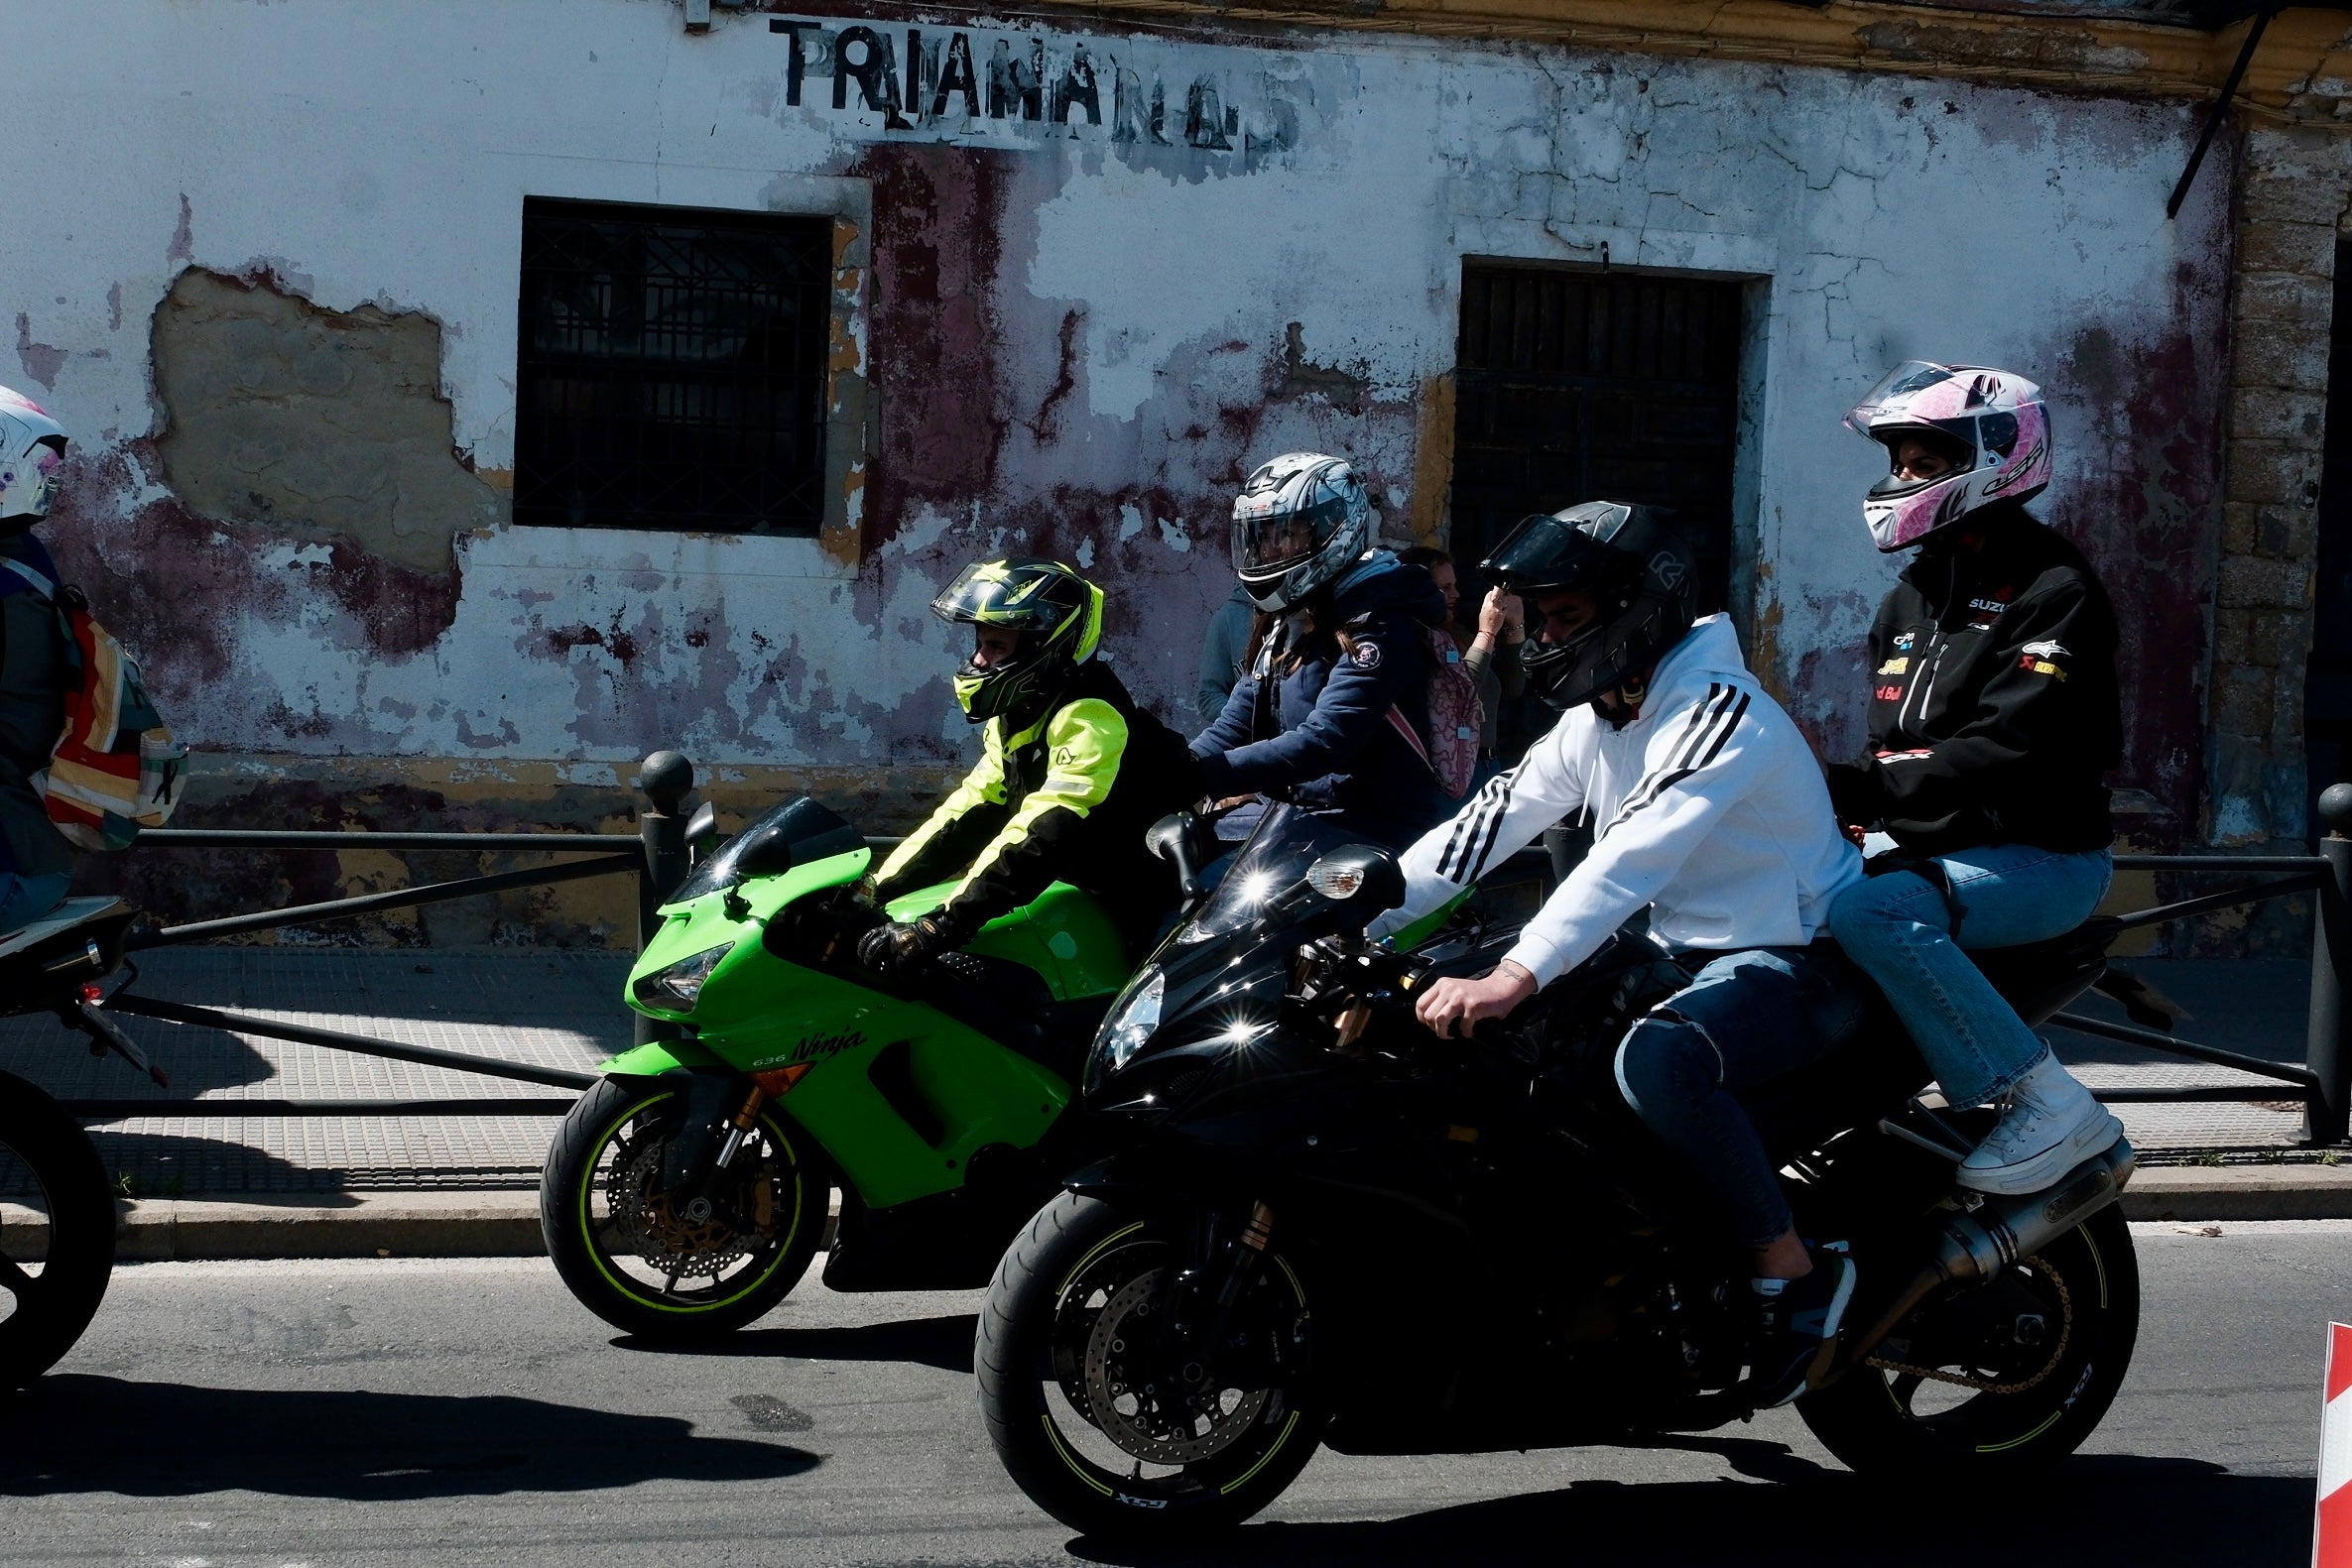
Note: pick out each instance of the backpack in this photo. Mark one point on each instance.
(1455, 718)
(116, 768)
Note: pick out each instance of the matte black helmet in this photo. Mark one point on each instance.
(1640, 572)
(1057, 612)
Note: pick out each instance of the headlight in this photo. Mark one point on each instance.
(1131, 1023)
(675, 988)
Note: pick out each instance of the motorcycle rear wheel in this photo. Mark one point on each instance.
(1067, 1427)
(625, 1252)
(2082, 1290)
(53, 1271)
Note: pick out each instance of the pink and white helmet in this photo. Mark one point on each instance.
(1994, 425)
(31, 446)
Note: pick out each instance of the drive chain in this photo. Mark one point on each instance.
(1984, 1385)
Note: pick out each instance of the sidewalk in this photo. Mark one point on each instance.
(354, 1186)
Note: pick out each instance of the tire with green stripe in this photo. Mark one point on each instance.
(649, 1265)
(1994, 1378)
(1090, 1420)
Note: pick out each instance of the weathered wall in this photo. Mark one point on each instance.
(1077, 333)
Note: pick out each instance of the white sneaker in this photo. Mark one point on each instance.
(2050, 1126)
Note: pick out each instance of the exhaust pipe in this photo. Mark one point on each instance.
(1982, 1242)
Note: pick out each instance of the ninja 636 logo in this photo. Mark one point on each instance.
(819, 1048)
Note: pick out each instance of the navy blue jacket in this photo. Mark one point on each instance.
(1319, 734)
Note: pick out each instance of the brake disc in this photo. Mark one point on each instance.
(1165, 1421)
(662, 1236)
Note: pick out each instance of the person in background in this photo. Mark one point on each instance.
(1492, 657)
(1994, 715)
(1222, 651)
(35, 863)
(1336, 696)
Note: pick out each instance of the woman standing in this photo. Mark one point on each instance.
(1492, 659)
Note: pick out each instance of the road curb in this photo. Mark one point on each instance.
(505, 1224)
(2240, 1193)
(498, 1224)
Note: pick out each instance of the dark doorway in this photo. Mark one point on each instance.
(2327, 698)
(1587, 386)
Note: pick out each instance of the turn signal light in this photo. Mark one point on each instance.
(773, 1081)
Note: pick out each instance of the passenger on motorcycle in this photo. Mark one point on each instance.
(1993, 715)
(1071, 772)
(35, 861)
(1339, 664)
(1710, 813)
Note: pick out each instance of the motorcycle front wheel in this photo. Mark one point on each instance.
(650, 1265)
(1087, 1423)
(57, 1232)
(1993, 1379)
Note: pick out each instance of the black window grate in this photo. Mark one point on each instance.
(1582, 386)
(671, 372)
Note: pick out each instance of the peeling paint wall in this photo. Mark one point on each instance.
(1106, 273)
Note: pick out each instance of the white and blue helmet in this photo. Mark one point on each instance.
(1301, 521)
(32, 449)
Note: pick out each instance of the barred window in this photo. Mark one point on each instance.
(671, 372)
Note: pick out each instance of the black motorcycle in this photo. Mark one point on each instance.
(1325, 1226)
(56, 1209)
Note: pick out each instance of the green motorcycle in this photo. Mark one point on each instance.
(687, 1192)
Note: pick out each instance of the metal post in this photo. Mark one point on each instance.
(2328, 1053)
(666, 778)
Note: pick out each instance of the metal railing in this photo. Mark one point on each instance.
(656, 856)
(2322, 1081)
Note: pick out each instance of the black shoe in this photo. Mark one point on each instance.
(1797, 1330)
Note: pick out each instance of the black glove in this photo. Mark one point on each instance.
(898, 947)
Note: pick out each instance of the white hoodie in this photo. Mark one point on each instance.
(1710, 807)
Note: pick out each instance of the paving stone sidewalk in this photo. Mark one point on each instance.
(563, 1009)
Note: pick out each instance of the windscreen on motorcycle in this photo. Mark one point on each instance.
(793, 834)
(1277, 855)
(1217, 982)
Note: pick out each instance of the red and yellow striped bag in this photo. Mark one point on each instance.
(116, 767)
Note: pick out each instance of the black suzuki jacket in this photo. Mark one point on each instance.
(1063, 797)
(1993, 704)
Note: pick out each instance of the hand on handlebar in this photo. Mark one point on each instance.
(1466, 1002)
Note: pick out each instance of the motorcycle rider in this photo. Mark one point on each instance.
(1710, 813)
(1993, 715)
(1329, 711)
(1071, 772)
(34, 860)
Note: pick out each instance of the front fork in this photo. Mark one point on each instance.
(720, 1111)
(1221, 1261)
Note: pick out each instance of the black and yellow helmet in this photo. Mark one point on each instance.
(1057, 613)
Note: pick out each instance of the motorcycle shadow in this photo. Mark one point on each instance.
(2100, 1509)
(75, 1433)
(941, 1342)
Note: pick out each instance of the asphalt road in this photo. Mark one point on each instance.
(461, 1413)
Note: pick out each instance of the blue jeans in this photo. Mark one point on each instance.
(24, 900)
(1899, 929)
(1748, 1017)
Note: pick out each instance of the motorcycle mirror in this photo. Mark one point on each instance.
(1171, 839)
(701, 830)
(1362, 875)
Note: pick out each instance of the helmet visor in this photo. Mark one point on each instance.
(991, 593)
(1280, 540)
(1895, 388)
(1551, 552)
